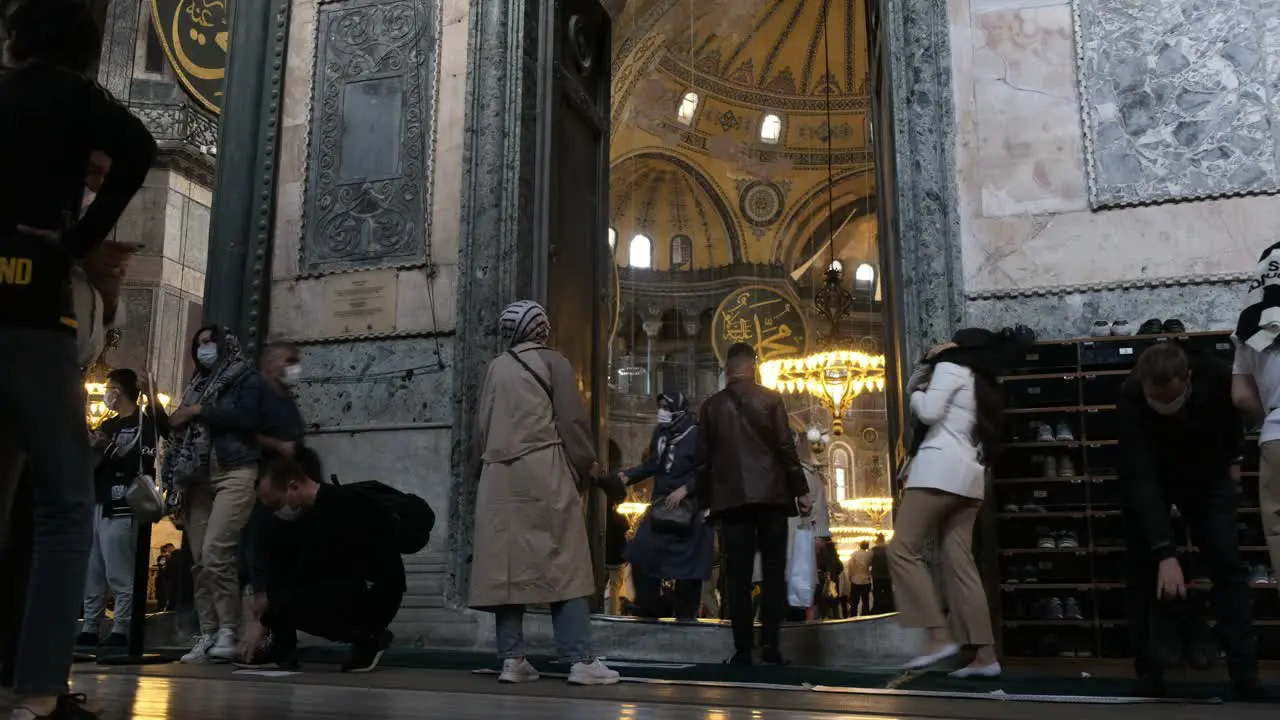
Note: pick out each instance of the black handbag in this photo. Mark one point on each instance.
(676, 520)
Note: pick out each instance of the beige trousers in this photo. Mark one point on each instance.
(216, 513)
(924, 516)
(1269, 497)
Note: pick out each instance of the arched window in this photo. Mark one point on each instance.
(681, 251)
(842, 468)
(688, 106)
(771, 129)
(640, 254)
(864, 278)
(613, 238)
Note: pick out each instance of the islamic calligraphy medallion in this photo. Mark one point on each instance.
(195, 35)
(762, 317)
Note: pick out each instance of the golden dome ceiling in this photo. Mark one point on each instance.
(663, 196)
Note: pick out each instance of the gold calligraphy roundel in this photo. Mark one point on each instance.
(762, 317)
(195, 34)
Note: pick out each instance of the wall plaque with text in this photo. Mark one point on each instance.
(195, 36)
(762, 317)
(360, 303)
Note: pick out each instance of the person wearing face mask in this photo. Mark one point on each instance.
(1180, 441)
(283, 426)
(217, 430)
(126, 444)
(335, 572)
(656, 554)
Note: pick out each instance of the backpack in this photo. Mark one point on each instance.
(412, 519)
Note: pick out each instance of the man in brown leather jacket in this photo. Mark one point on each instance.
(751, 480)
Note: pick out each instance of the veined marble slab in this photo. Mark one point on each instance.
(1179, 98)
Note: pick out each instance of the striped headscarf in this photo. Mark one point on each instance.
(524, 321)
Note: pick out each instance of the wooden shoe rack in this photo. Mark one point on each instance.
(1059, 538)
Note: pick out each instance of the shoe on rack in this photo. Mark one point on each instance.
(517, 670)
(1071, 609)
(367, 652)
(1063, 432)
(1047, 542)
(1066, 468)
(1030, 574)
(1101, 328)
(1024, 334)
(1121, 328)
(1258, 575)
(1050, 466)
(224, 646)
(1053, 609)
(1044, 433)
(1067, 540)
(1011, 508)
(199, 652)
(1173, 327)
(87, 639)
(593, 673)
(1154, 326)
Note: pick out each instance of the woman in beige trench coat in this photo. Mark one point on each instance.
(530, 531)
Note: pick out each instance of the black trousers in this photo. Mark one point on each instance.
(859, 600)
(15, 571)
(1210, 518)
(684, 602)
(745, 531)
(339, 610)
(881, 596)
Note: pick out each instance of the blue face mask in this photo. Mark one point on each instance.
(664, 417)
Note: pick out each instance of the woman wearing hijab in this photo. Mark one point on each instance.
(682, 554)
(217, 427)
(954, 393)
(530, 532)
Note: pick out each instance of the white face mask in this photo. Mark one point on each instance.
(288, 513)
(207, 354)
(112, 400)
(292, 374)
(664, 417)
(1169, 408)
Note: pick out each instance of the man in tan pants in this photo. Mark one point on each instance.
(1255, 391)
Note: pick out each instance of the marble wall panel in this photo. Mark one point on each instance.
(1029, 146)
(195, 248)
(139, 307)
(1178, 98)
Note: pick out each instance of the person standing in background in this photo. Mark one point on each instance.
(751, 480)
(858, 572)
(881, 578)
(128, 443)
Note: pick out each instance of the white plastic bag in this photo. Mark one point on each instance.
(802, 571)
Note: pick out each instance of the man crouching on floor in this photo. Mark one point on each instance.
(345, 579)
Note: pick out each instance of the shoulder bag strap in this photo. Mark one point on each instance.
(542, 383)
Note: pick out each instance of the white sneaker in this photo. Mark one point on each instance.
(224, 646)
(982, 671)
(924, 661)
(199, 653)
(594, 674)
(518, 670)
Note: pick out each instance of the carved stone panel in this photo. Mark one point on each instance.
(368, 184)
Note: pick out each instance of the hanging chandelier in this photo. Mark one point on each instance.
(837, 372)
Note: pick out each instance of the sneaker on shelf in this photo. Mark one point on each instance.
(517, 670)
(224, 646)
(199, 652)
(1258, 575)
(1071, 610)
(1101, 328)
(1173, 327)
(367, 652)
(592, 673)
(1066, 468)
(1068, 540)
(1051, 466)
(1121, 328)
(1011, 508)
(1053, 609)
(1047, 542)
(1044, 433)
(1063, 433)
(1030, 574)
(1032, 508)
(1154, 326)
(1024, 334)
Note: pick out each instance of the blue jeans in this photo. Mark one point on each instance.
(571, 620)
(42, 393)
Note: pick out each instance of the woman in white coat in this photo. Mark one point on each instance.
(954, 393)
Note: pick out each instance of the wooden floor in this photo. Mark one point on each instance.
(209, 693)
